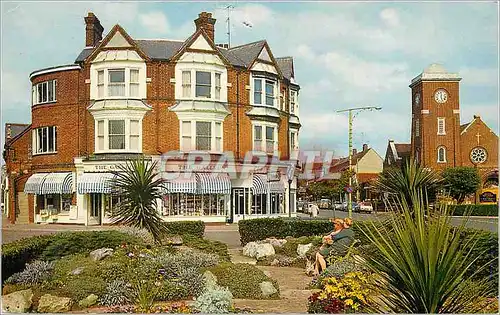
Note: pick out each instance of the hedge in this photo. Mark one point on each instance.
(475, 210)
(196, 228)
(15, 255)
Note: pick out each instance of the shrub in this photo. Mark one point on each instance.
(243, 280)
(171, 291)
(35, 272)
(214, 301)
(174, 263)
(290, 247)
(137, 232)
(117, 293)
(81, 286)
(340, 268)
(475, 210)
(195, 228)
(208, 246)
(192, 280)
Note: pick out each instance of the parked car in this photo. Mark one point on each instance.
(364, 206)
(324, 204)
(339, 206)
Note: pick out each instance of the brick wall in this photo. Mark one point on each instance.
(487, 140)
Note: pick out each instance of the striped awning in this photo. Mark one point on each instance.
(277, 187)
(95, 183)
(181, 184)
(57, 183)
(213, 183)
(34, 183)
(259, 184)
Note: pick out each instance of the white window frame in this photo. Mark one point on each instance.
(192, 134)
(128, 135)
(438, 155)
(264, 79)
(128, 67)
(45, 85)
(296, 135)
(441, 126)
(264, 136)
(36, 143)
(294, 104)
(217, 92)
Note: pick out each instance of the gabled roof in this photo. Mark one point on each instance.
(403, 149)
(248, 52)
(159, 49)
(343, 163)
(286, 66)
(14, 131)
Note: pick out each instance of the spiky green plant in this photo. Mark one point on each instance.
(139, 187)
(411, 178)
(422, 264)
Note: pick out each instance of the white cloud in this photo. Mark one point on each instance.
(390, 17)
(368, 75)
(305, 51)
(488, 112)
(479, 76)
(155, 22)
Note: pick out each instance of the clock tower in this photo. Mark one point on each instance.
(435, 128)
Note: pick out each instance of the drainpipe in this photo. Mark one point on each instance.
(238, 114)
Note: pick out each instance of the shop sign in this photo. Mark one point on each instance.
(274, 176)
(101, 167)
(487, 197)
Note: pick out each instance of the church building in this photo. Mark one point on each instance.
(438, 140)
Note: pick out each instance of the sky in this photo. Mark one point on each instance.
(345, 54)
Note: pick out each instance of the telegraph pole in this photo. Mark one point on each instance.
(351, 117)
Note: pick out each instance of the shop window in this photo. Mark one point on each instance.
(259, 204)
(180, 204)
(95, 205)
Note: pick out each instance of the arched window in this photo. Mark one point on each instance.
(441, 155)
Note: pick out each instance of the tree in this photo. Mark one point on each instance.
(407, 181)
(461, 181)
(139, 188)
(330, 188)
(422, 263)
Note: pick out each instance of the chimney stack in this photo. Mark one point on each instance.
(365, 147)
(206, 22)
(93, 30)
(354, 151)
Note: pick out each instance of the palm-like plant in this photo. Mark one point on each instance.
(139, 187)
(422, 264)
(406, 181)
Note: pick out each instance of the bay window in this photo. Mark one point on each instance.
(203, 84)
(217, 86)
(293, 101)
(44, 92)
(117, 83)
(45, 140)
(115, 135)
(201, 135)
(293, 141)
(265, 138)
(186, 83)
(265, 91)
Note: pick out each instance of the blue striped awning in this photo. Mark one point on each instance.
(95, 183)
(34, 183)
(277, 187)
(182, 184)
(259, 184)
(57, 183)
(213, 183)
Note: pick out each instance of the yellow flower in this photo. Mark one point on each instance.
(349, 302)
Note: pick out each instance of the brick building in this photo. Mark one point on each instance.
(438, 140)
(124, 97)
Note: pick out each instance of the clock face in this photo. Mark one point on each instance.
(441, 96)
(417, 99)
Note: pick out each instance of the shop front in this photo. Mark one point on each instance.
(54, 197)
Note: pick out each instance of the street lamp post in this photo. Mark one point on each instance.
(351, 117)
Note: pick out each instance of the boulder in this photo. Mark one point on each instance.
(276, 242)
(309, 268)
(17, 302)
(76, 271)
(268, 273)
(267, 288)
(88, 301)
(275, 262)
(175, 240)
(303, 249)
(101, 253)
(264, 250)
(250, 249)
(210, 279)
(54, 304)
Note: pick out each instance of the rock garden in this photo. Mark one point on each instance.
(123, 270)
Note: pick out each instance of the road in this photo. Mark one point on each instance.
(483, 223)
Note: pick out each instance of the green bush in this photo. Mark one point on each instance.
(475, 210)
(15, 255)
(290, 247)
(171, 291)
(260, 229)
(243, 280)
(207, 246)
(196, 228)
